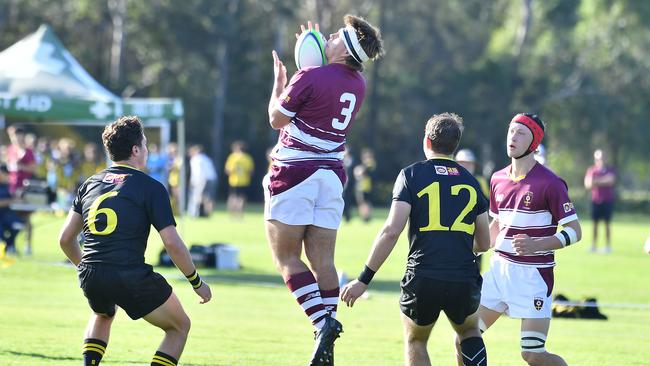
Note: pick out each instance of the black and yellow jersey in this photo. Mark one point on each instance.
(118, 206)
(445, 200)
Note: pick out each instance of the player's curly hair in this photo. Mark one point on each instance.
(369, 38)
(444, 131)
(120, 136)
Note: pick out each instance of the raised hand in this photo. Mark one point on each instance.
(279, 72)
(310, 26)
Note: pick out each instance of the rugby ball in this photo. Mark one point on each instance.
(646, 247)
(310, 49)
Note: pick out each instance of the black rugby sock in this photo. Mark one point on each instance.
(474, 353)
(163, 359)
(93, 351)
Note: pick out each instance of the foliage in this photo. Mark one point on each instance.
(582, 64)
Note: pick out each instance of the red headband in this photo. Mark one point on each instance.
(534, 127)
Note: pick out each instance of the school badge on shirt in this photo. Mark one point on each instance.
(443, 170)
(528, 199)
(112, 178)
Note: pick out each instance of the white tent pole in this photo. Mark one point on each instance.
(2, 124)
(181, 155)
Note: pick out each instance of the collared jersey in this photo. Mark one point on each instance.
(445, 201)
(118, 206)
(534, 205)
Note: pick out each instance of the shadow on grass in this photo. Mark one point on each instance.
(274, 280)
(59, 358)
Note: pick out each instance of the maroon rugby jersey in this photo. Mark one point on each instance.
(322, 103)
(534, 205)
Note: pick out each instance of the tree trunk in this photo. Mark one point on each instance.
(117, 9)
(222, 63)
(373, 101)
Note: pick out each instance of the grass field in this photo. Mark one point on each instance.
(253, 319)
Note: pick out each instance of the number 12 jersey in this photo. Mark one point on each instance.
(445, 200)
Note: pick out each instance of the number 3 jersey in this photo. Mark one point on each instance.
(445, 200)
(118, 206)
(322, 103)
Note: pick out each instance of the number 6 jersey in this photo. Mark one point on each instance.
(322, 103)
(118, 207)
(445, 200)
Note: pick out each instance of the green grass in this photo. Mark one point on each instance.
(253, 320)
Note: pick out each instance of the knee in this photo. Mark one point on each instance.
(323, 267)
(284, 262)
(184, 325)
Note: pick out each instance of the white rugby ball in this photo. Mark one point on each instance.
(646, 247)
(310, 49)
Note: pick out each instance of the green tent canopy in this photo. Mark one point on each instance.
(41, 82)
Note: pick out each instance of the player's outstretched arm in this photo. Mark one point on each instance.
(482, 233)
(68, 237)
(181, 256)
(277, 119)
(381, 249)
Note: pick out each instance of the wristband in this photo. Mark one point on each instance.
(366, 275)
(567, 236)
(195, 279)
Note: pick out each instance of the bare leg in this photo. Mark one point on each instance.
(99, 327)
(543, 358)
(285, 242)
(171, 318)
(319, 249)
(608, 241)
(415, 343)
(595, 242)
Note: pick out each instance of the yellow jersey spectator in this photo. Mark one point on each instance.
(239, 168)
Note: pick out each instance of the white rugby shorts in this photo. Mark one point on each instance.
(519, 291)
(317, 200)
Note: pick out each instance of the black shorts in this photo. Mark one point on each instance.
(602, 211)
(239, 191)
(422, 299)
(136, 289)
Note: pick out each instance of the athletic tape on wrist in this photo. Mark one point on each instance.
(366, 275)
(195, 279)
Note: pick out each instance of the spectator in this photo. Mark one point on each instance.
(67, 171)
(363, 176)
(203, 183)
(174, 163)
(157, 164)
(600, 179)
(467, 160)
(239, 168)
(10, 222)
(91, 164)
(21, 165)
(21, 162)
